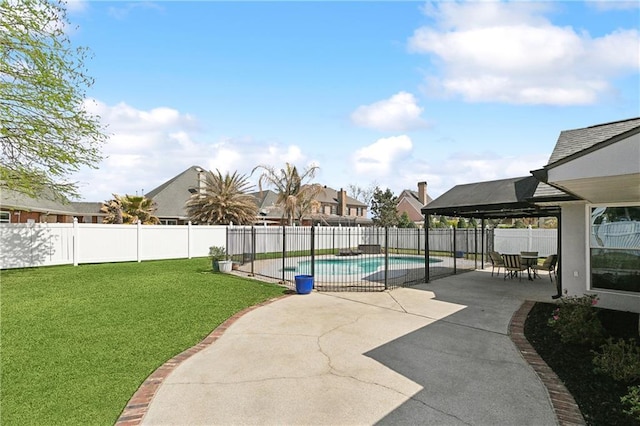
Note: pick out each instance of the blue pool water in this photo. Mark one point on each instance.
(359, 265)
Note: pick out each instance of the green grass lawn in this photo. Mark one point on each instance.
(77, 342)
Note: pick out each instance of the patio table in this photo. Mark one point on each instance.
(529, 261)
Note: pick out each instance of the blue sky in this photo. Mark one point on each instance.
(374, 93)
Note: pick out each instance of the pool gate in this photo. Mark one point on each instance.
(356, 258)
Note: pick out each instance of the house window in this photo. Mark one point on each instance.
(5, 217)
(168, 221)
(334, 209)
(614, 246)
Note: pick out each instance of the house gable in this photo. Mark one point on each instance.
(412, 202)
(171, 196)
(600, 164)
(572, 143)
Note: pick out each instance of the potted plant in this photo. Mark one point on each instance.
(220, 260)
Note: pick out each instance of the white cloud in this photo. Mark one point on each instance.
(244, 154)
(382, 157)
(148, 147)
(509, 52)
(143, 149)
(461, 168)
(442, 174)
(398, 113)
(76, 5)
(614, 5)
(123, 12)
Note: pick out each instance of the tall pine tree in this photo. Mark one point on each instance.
(384, 211)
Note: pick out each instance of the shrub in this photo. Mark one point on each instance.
(619, 359)
(576, 320)
(632, 399)
(218, 253)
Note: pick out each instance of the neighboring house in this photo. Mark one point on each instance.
(171, 196)
(412, 202)
(333, 207)
(88, 212)
(20, 208)
(338, 209)
(592, 184)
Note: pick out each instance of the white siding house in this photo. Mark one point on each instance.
(600, 230)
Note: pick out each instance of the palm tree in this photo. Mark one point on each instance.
(140, 208)
(113, 209)
(222, 200)
(130, 209)
(294, 196)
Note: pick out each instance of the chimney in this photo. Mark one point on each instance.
(342, 202)
(422, 192)
(201, 178)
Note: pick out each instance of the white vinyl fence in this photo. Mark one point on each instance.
(544, 241)
(44, 244)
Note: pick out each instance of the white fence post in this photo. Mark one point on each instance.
(138, 240)
(76, 241)
(189, 240)
(530, 238)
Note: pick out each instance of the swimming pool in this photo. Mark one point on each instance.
(359, 265)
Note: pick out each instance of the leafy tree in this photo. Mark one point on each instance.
(443, 222)
(550, 223)
(461, 223)
(519, 224)
(130, 209)
(294, 196)
(473, 223)
(384, 210)
(405, 222)
(223, 200)
(46, 133)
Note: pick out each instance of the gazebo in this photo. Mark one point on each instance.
(505, 198)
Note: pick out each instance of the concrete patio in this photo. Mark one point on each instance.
(436, 353)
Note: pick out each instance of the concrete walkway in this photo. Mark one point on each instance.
(434, 354)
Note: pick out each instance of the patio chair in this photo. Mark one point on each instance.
(548, 265)
(513, 266)
(496, 262)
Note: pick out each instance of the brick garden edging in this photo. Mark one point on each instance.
(564, 405)
(137, 406)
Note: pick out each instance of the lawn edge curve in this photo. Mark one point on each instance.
(135, 410)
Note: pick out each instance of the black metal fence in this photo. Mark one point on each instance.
(356, 258)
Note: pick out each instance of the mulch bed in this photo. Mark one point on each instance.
(597, 395)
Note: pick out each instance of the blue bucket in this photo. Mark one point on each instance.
(304, 284)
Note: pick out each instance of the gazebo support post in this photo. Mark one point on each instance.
(559, 260)
(475, 247)
(482, 242)
(455, 254)
(426, 248)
